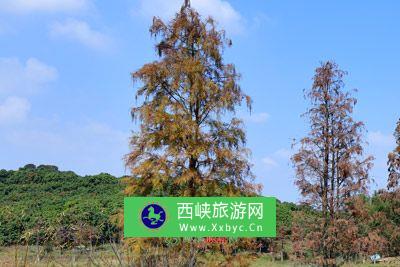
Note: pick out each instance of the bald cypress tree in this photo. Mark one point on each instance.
(330, 164)
(189, 143)
(390, 209)
(394, 162)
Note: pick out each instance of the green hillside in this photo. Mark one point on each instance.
(49, 205)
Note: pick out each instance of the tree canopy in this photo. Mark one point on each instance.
(189, 143)
(331, 169)
(394, 162)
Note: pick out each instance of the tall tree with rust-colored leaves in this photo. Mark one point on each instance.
(330, 166)
(189, 143)
(394, 162)
(390, 205)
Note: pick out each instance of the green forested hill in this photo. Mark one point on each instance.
(64, 209)
(46, 204)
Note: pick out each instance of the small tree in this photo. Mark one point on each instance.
(330, 167)
(394, 162)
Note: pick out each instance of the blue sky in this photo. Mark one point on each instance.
(66, 92)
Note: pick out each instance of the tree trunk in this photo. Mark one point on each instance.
(37, 249)
(192, 254)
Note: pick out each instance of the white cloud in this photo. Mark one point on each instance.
(380, 145)
(277, 175)
(17, 77)
(284, 154)
(270, 162)
(105, 131)
(220, 10)
(2, 28)
(279, 158)
(80, 31)
(257, 117)
(14, 109)
(38, 72)
(28, 6)
(260, 20)
(87, 147)
(379, 139)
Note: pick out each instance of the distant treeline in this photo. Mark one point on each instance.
(40, 204)
(47, 206)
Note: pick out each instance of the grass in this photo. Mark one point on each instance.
(23, 257)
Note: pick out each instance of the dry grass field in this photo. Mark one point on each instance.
(21, 257)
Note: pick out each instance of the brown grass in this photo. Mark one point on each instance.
(26, 257)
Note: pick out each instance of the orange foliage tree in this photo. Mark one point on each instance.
(394, 163)
(390, 200)
(330, 167)
(189, 143)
